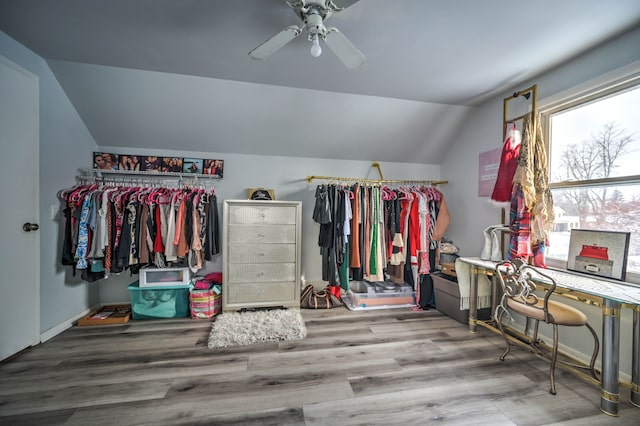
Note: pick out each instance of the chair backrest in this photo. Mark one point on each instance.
(518, 282)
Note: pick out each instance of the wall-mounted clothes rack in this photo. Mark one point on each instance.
(147, 178)
(530, 93)
(532, 224)
(113, 227)
(377, 181)
(380, 181)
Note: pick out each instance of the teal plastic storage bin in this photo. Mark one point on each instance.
(159, 302)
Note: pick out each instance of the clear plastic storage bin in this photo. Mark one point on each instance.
(159, 302)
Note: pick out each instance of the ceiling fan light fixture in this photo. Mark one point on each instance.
(313, 13)
(316, 50)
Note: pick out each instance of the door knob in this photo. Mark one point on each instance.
(28, 227)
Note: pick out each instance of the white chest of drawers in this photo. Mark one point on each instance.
(261, 254)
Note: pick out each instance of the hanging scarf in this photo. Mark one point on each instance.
(532, 177)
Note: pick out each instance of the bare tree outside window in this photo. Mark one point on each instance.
(603, 208)
(597, 157)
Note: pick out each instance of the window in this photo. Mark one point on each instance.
(594, 157)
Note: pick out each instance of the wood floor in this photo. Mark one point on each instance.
(382, 367)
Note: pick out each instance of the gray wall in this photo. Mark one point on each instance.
(287, 176)
(64, 144)
(483, 131)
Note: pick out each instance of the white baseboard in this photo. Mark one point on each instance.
(57, 329)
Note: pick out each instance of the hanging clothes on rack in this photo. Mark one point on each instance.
(331, 213)
(392, 234)
(533, 211)
(503, 189)
(436, 221)
(112, 228)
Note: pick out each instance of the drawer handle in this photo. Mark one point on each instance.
(263, 214)
(263, 254)
(261, 235)
(261, 274)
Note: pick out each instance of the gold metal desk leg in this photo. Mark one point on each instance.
(473, 301)
(635, 359)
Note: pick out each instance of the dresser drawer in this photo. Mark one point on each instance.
(262, 215)
(258, 273)
(256, 294)
(262, 253)
(260, 234)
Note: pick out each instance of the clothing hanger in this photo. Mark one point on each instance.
(63, 193)
(175, 196)
(386, 194)
(436, 194)
(406, 194)
(348, 192)
(77, 195)
(165, 196)
(143, 195)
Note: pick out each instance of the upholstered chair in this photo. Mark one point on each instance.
(519, 284)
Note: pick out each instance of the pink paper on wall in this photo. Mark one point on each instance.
(488, 166)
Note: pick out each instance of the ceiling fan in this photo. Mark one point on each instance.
(313, 14)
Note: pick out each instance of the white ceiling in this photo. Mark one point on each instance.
(176, 74)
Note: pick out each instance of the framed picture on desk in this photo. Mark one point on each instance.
(601, 253)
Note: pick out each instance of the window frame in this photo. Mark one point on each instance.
(608, 85)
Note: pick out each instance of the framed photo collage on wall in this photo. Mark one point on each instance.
(149, 163)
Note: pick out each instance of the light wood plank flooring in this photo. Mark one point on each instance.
(381, 367)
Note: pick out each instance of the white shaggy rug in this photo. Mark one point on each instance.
(246, 328)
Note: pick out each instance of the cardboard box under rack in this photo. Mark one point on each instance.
(107, 315)
(448, 269)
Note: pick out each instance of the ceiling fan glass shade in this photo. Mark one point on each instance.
(316, 50)
(270, 46)
(344, 49)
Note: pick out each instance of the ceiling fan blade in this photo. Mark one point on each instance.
(344, 49)
(270, 46)
(337, 5)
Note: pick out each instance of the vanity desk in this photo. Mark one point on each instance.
(611, 296)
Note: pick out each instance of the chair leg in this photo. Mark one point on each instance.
(596, 349)
(504, 335)
(554, 359)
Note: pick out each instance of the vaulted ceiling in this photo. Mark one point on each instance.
(175, 74)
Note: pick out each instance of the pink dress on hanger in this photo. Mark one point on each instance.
(508, 164)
